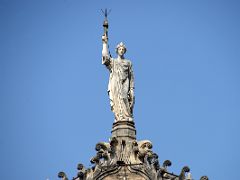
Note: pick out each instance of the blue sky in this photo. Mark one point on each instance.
(54, 106)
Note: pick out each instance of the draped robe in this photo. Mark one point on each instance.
(120, 88)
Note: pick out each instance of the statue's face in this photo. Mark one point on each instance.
(121, 51)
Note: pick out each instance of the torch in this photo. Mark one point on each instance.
(105, 28)
(105, 22)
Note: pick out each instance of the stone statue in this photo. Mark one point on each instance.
(121, 82)
(123, 157)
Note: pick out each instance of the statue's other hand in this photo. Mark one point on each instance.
(104, 39)
(131, 97)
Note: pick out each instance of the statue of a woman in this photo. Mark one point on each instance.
(121, 82)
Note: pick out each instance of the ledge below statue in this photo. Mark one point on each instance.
(124, 129)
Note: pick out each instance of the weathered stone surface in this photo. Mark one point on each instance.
(124, 174)
(121, 82)
(124, 129)
(124, 157)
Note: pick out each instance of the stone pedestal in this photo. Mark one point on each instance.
(126, 158)
(124, 129)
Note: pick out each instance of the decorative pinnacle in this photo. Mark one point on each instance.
(106, 13)
(105, 22)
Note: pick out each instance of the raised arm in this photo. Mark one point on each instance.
(105, 54)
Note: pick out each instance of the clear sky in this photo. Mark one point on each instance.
(54, 106)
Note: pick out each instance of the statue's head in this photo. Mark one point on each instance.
(121, 49)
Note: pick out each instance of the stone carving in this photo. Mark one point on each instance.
(62, 175)
(182, 175)
(103, 154)
(144, 150)
(130, 159)
(204, 178)
(166, 164)
(123, 157)
(81, 172)
(126, 158)
(121, 82)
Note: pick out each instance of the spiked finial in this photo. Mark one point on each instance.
(105, 22)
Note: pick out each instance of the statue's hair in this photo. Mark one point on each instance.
(121, 45)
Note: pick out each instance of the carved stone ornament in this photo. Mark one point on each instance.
(124, 157)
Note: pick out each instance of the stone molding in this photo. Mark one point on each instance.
(123, 157)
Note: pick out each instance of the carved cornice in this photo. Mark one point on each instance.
(124, 154)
